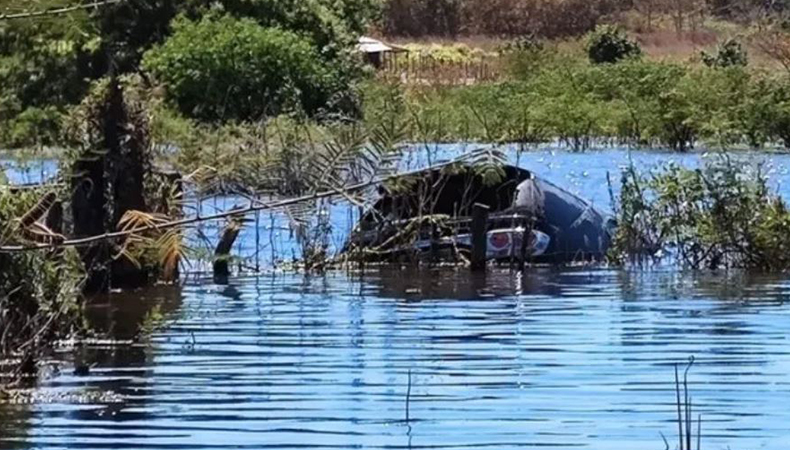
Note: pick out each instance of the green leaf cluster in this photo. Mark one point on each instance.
(610, 44)
(226, 68)
(729, 54)
(721, 216)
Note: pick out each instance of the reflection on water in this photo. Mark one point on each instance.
(563, 358)
(100, 379)
(13, 425)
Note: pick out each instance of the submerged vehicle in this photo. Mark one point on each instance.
(529, 220)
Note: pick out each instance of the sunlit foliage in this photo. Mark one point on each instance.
(722, 216)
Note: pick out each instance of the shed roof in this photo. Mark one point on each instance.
(369, 45)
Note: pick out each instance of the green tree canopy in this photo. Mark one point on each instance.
(609, 44)
(227, 68)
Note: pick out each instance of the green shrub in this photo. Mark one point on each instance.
(35, 127)
(227, 68)
(635, 102)
(609, 44)
(39, 290)
(729, 54)
(722, 216)
(42, 73)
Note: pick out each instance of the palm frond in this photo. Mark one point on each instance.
(40, 232)
(38, 211)
(171, 251)
(489, 164)
(134, 219)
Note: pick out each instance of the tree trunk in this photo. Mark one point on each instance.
(126, 143)
(88, 186)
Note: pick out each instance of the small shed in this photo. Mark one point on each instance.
(376, 51)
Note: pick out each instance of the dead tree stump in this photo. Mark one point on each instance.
(126, 140)
(222, 252)
(88, 187)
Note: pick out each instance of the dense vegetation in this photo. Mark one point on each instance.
(246, 61)
(38, 290)
(722, 216)
(636, 102)
(224, 68)
(48, 63)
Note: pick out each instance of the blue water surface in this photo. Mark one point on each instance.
(548, 358)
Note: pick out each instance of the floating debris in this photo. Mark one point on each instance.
(50, 396)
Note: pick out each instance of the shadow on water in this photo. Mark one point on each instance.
(122, 367)
(14, 425)
(109, 372)
(733, 289)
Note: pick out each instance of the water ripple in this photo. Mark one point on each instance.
(562, 359)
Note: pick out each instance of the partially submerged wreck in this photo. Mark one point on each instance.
(430, 215)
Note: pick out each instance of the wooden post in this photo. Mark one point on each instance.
(479, 236)
(434, 242)
(54, 220)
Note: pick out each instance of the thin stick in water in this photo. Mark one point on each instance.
(408, 397)
(688, 423)
(680, 420)
(688, 402)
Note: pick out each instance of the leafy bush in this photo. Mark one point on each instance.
(43, 70)
(39, 290)
(609, 44)
(526, 55)
(227, 68)
(720, 216)
(328, 23)
(729, 54)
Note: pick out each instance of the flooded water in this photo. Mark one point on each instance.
(560, 358)
(571, 358)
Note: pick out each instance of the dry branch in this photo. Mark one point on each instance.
(59, 11)
(241, 211)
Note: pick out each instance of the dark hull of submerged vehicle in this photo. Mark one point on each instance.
(578, 230)
(559, 226)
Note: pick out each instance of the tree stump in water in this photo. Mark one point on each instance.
(88, 186)
(222, 252)
(108, 181)
(126, 139)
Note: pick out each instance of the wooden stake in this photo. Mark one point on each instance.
(479, 236)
